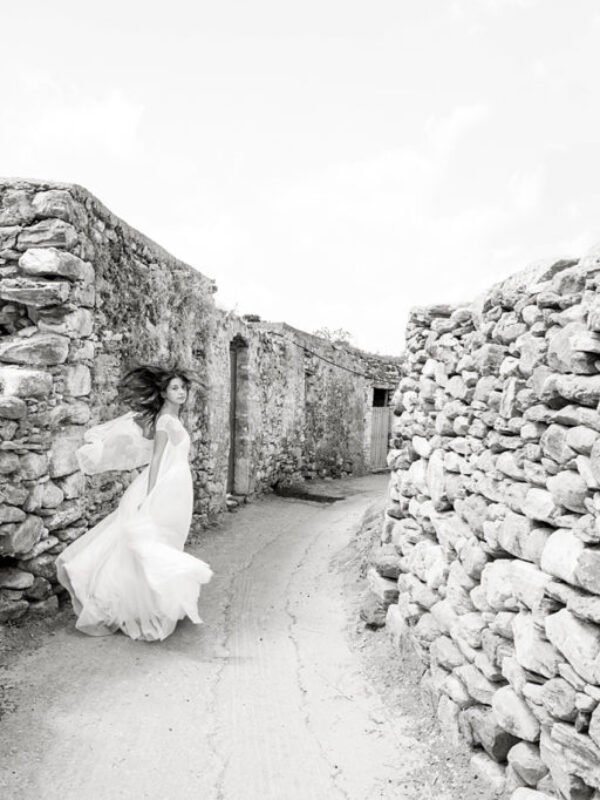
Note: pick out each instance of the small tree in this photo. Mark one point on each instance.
(334, 335)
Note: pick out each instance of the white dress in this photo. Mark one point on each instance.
(129, 572)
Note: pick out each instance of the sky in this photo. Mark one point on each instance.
(329, 163)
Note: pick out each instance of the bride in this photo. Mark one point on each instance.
(129, 572)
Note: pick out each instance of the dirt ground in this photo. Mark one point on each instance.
(281, 695)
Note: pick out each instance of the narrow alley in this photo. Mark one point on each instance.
(268, 700)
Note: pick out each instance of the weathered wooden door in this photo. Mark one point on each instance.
(380, 433)
(233, 361)
(239, 479)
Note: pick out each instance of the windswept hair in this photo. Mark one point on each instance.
(141, 388)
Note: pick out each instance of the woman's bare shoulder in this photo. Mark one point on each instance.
(165, 422)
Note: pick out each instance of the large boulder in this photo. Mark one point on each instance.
(39, 350)
(508, 583)
(554, 444)
(22, 536)
(24, 383)
(75, 325)
(561, 553)
(48, 233)
(568, 489)
(578, 641)
(43, 566)
(63, 459)
(522, 537)
(70, 510)
(49, 262)
(485, 731)
(539, 504)
(514, 715)
(444, 652)
(12, 605)
(33, 466)
(55, 203)
(565, 353)
(489, 358)
(36, 293)
(581, 438)
(532, 351)
(564, 780)
(580, 753)
(525, 759)
(533, 651)
(562, 389)
(582, 604)
(17, 208)
(78, 381)
(490, 775)
(478, 686)
(11, 578)
(12, 407)
(559, 699)
(9, 463)
(566, 556)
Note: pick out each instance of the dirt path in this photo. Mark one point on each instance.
(269, 700)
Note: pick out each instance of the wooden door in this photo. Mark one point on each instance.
(233, 361)
(380, 432)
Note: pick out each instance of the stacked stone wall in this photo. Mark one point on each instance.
(47, 297)
(489, 563)
(149, 308)
(271, 403)
(333, 387)
(338, 399)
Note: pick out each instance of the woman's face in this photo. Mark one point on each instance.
(176, 391)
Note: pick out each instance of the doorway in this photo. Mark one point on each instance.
(238, 471)
(380, 427)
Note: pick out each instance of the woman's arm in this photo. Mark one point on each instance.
(160, 442)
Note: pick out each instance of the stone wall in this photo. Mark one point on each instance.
(489, 563)
(338, 386)
(47, 293)
(270, 408)
(306, 402)
(82, 297)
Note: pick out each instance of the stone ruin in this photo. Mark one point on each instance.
(489, 559)
(83, 295)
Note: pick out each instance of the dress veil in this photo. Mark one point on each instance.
(118, 444)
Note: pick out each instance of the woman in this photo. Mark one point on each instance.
(130, 573)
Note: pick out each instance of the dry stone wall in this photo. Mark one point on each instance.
(47, 296)
(270, 408)
(149, 307)
(306, 402)
(82, 297)
(338, 387)
(489, 563)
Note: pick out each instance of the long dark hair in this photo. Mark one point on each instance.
(141, 388)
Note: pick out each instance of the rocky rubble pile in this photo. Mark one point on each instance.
(489, 563)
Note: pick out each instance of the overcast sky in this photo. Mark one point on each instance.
(327, 162)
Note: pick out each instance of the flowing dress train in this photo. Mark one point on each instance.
(129, 572)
